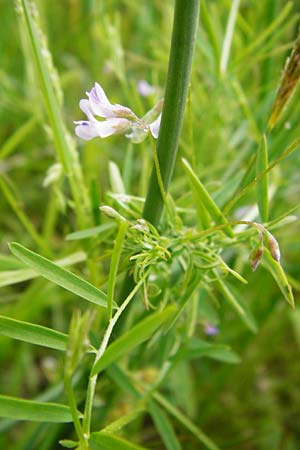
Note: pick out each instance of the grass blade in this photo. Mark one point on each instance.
(186, 422)
(164, 427)
(19, 409)
(32, 333)
(204, 197)
(58, 275)
(233, 301)
(101, 231)
(138, 334)
(262, 184)
(66, 151)
(228, 35)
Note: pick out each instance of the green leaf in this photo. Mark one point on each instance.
(32, 333)
(58, 275)
(124, 420)
(101, 231)
(138, 334)
(279, 276)
(235, 303)
(9, 277)
(199, 348)
(205, 199)
(106, 441)
(164, 427)
(262, 183)
(18, 409)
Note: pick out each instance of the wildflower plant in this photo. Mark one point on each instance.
(150, 295)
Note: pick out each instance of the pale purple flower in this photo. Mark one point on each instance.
(210, 329)
(117, 119)
(144, 88)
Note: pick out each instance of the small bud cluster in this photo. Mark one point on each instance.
(257, 252)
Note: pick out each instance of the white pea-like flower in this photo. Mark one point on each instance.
(116, 118)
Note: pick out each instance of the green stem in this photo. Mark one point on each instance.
(73, 406)
(114, 264)
(186, 17)
(102, 348)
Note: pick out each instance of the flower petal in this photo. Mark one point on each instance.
(86, 130)
(154, 127)
(112, 126)
(90, 129)
(99, 103)
(85, 106)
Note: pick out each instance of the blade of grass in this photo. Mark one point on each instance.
(252, 183)
(209, 28)
(19, 409)
(186, 422)
(101, 231)
(164, 426)
(17, 137)
(233, 301)
(262, 184)
(32, 333)
(15, 206)
(58, 275)
(228, 36)
(204, 198)
(67, 154)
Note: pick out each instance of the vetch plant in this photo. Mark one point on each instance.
(140, 289)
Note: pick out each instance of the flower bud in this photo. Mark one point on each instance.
(111, 212)
(273, 247)
(255, 257)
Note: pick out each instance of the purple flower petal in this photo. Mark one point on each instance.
(84, 105)
(90, 129)
(86, 130)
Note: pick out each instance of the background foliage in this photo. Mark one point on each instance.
(245, 398)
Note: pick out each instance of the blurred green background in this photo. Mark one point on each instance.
(248, 406)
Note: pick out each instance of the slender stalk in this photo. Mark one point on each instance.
(114, 263)
(186, 17)
(73, 407)
(102, 348)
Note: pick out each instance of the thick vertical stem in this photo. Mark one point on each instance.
(186, 18)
